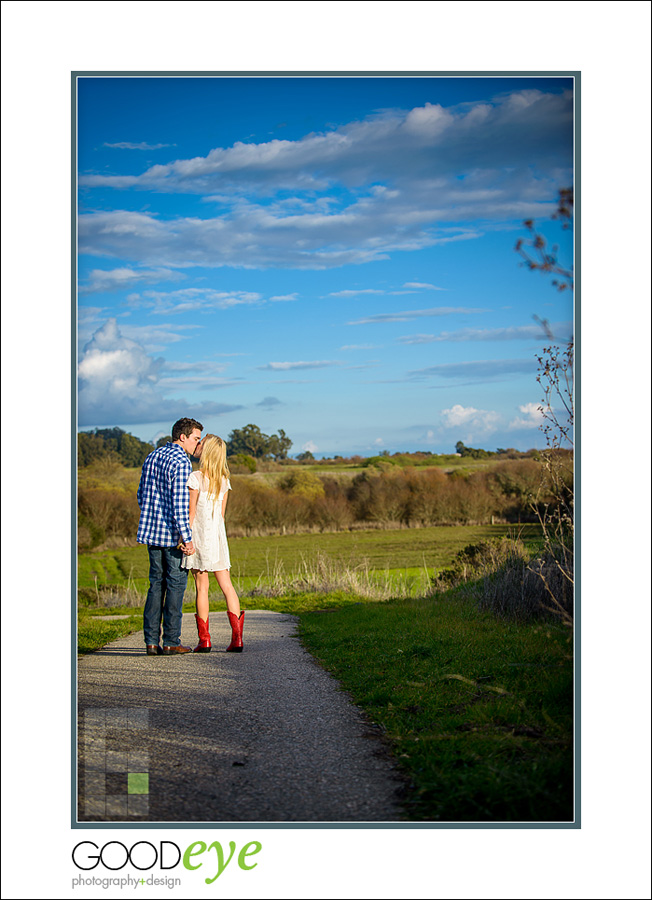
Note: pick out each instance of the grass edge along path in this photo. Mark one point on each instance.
(477, 710)
(94, 633)
(95, 628)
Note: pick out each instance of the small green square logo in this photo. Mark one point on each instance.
(138, 783)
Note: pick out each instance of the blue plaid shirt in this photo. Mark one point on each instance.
(163, 498)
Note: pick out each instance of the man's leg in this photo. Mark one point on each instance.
(154, 603)
(175, 580)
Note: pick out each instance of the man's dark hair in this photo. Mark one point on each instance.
(185, 426)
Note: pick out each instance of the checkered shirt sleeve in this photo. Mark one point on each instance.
(163, 498)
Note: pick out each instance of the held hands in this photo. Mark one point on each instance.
(188, 549)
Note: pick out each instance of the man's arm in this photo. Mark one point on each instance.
(139, 494)
(180, 501)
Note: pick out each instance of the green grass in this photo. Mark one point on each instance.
(478, 711)
(257, 558)
(93, 633)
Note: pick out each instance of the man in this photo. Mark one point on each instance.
(165, 527)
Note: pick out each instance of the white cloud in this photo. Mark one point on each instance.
(128, 145)
(485, 369)
(397, 146)
(361, 347)
(409, 314)
(186, 300)
(418, 285)
(354, 293)
(532, 417)
(284, 298)
(155, 338)
(255, 236)
(286, 366)
(125, 277)
(474, 421)
(398, 181)
(120, 383)
(379, 442)
(310, 446)
(516, 333)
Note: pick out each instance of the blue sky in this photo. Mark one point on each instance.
(330, 256)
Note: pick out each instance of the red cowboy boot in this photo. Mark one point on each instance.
(204, 645)
(237, 624)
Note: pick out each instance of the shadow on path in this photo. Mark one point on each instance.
(261, 736)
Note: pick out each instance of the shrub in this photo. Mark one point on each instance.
(242, 464)
(380, 462)
(302, 484)
(504, 578)
(475, 560)
(526, 590)
(110, 513)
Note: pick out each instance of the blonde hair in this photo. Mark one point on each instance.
(212, 464)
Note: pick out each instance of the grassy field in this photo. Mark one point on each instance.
(256, 559)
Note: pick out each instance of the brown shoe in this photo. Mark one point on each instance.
(153, 650)
(179, 648)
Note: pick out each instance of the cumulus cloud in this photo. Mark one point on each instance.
(310, 446)
(120, 383)
(101, 280)
(409, 314)
(474, 421)
(516, 333)
(532, 417)
(286, 366)
(399, 181)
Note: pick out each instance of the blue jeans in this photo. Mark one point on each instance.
(167, 585)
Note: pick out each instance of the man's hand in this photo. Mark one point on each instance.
(188, 548)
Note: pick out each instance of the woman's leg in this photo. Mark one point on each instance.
(201, 616)
(232, 602)
(201, 588)
(236, 618)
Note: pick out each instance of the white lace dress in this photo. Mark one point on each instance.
(208, 532)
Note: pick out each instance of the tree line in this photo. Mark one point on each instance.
(122, 447)
(299, 500)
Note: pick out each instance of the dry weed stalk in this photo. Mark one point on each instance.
(556, 377)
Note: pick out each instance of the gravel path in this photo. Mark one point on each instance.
(261, 736)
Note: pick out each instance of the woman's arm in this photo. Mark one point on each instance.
(194, 496)
(226, 497)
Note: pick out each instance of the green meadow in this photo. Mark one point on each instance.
(255, 560)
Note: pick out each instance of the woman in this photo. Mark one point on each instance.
(208, 495)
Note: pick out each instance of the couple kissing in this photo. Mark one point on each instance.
(182, 524)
